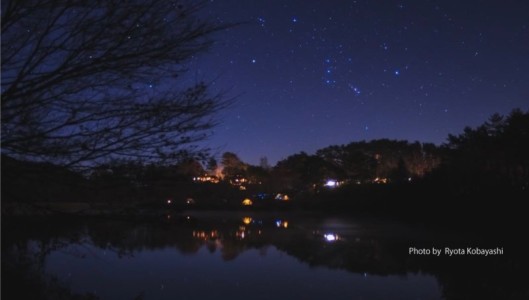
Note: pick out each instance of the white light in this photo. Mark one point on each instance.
(169, 201)
(330, 237)
(331, 183)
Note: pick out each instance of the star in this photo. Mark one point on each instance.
(355, 89)
(391, 60)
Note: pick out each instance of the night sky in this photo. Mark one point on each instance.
(309, 74)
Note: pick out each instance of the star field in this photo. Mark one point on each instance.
(308, 74)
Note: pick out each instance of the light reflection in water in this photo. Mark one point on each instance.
(203, 235)
(240, 258)
(168, 274)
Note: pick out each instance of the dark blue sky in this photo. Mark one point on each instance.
(309, 74)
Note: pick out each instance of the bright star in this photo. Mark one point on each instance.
(355, 89)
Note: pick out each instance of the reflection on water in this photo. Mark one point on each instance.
(242, 256)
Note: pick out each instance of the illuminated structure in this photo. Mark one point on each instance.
(380, 180)
(281, 224)
(206, 178)
(332, 183)
(282, 197)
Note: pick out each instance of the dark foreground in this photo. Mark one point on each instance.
(256, 255)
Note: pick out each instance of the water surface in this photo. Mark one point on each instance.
(248, 256)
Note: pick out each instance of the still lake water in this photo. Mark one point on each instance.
(251, 256)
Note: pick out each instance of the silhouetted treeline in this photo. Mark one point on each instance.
(483, 176)
(481, 172)
(358, 163)
(485, 172)
(24, 181)
(495, 153)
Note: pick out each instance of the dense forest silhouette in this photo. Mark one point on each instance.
(481, 172)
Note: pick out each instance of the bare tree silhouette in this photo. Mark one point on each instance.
(78, 77)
